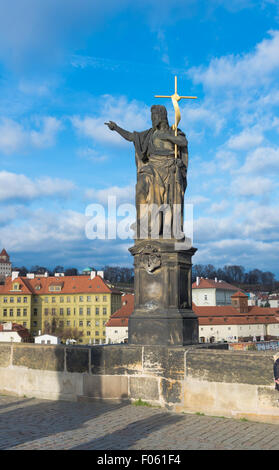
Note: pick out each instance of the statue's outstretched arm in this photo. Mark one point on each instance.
(125, 134)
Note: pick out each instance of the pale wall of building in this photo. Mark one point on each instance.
(8, 336)
(204, 297)
(116, 334)
(212, 297)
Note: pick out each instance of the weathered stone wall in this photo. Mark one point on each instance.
(189, 379)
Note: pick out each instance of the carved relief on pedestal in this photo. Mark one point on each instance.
(150, 259)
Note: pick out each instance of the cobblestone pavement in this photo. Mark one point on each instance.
(29, 423)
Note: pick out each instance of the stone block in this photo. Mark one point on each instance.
(77, 360)
(39, 357)
(146, 388)
(105, 387)
(171, 391)
(5, 354)
(164, 361)
(116, 359)
(252, 368)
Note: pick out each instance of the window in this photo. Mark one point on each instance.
(68, 311)
(25, 312)
(24, 323)
(88, 323)
(89, 298)
(18, 312)
(11, 300)
(61, 300)
(104, 298)
(53, 311)
(34, 323)
(81, 298)
(97, 311)
(46, 300)
(88, 311)
(19, 300)
(68, 299)
(11, 312)
(97, 298)
(5, 300)
(25, 300)
(5, 312)
(80, 310)
(97, 323)
(53, 300)
(61, 323)
(80, 323)
(97, 333)
(35, 312)
(61, 311)
(88, 333)
(46, 311)
(68, 323)
(104, 310)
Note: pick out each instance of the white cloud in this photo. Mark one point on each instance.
(251, 69)
(47, 135)
(249, 186)
(14, 186)
(123, 194)
(128, 115)
(262, 160)
(14, 137)
(245, 140)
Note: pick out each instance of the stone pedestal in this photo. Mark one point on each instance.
(163, 312)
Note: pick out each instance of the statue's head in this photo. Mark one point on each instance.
(158, 114)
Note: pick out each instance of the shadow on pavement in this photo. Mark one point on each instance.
(127, 437)
(46, 419)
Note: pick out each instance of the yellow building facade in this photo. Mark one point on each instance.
(70, 302)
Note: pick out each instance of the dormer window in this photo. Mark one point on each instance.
(16, 286)
(55, 288)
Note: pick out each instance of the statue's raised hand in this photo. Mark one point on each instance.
(111, 125)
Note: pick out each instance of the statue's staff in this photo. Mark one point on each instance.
(175, 98)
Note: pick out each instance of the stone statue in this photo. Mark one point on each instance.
(163, 312)
(161, 172)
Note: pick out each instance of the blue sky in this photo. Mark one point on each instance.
(67, 67)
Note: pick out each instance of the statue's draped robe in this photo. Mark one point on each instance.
(161, 178)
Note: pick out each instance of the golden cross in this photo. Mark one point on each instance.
(175, 98)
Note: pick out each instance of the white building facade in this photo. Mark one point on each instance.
(47, 339)
(212, 292)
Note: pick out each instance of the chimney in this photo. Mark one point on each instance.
(240, 302)
(100, 273)
(92, 274)
(198, 281)
(30, 275)
(46, 274)
(15, 275)
(216, 280)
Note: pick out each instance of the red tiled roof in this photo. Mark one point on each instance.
(120, 317)
(239, 294)
(226, 314)
(70, 285)
(212, 284)
(7, 288)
